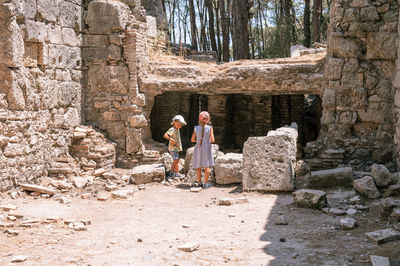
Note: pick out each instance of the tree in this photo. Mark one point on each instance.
(193, 26)
(307, 24)
(209, 6)
(225, 31)
(317, 11)
(240, 33)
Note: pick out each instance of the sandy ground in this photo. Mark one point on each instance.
(148, 228)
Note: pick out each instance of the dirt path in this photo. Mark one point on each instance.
(147, 229)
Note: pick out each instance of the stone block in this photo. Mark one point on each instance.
(380, 45)
(15, 97)
(48, 9)
(54, 34)
(69, 93)
(269, 162)
(366, 187)
(94, 55)
(369, 14)
(151, 26)
(348, 223)
(95, 40)
(138, 121)
(335, 66)
(381, 175)
(344, 47)
(30, 9)
(31, 55)
(228, 168)
(338, 177)
(106, 17)
(70, 15)
(114, 79)
(147, 173)
(308, 198)
(133, 140)
(70, 38)
(384, 235)
(360, 3)
(379, 260)
(34, 31)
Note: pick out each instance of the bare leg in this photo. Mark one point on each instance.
(173, 166)
(198, 170)
(176, 168)
(206, 174)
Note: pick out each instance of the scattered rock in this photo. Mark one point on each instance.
(241, 200)
(86, 195)
(65, 200)
(366, 187)
(185, 226)
(282, 239)
(5, 225)
(14, 195)
(111, 187)
(351, 211)
(394, 217)
(37, 188)
(383, 235)
(11, 232)
(121, 194)
(338, 177)
(110, 175)
(8, 207)
(19, 258)
(387, 205)
(80, 182)
(196, 189)
(139, 240)
(226, 201)
(147, 173)
(381, 175)
(102, 197)
(308, 198)
(393, 190)
(86, 222)
(379, 261)
(334, 211)
(78, 226)
(231, 215)
(189, 247)
(99, 172)
(355, 200)
(280, 220)
(141, 187)
(11, 218)
(348, 223)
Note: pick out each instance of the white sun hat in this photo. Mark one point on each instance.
(178, 118)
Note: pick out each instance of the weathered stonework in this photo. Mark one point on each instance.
(40, 86)
(360, 115)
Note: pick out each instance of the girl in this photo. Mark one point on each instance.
(203, 135)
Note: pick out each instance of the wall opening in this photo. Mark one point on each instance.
(235, 117)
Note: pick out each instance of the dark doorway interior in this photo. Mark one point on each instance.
(235, 117)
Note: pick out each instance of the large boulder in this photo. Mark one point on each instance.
(147, 173)
(269, 161)
(308, 198)
(381, 175)
(228, 168)
(331, 178)
(366, 187)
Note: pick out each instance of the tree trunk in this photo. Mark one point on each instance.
(317, 11)
(209, 5)
(240, 41)
(193, 26)
(225, 31)
(219, 52)
(307, 24)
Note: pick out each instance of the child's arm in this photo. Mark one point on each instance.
(168, 137)
(193, 139)
(212, 139)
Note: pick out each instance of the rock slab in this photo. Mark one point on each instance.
(37, 188)
(189, 247)
(147, 173)
(381, 175)
(366, 187)
(338, 177)
(379, 260)
(384, 235)
(228, 168)
(269, 161)
(308, 198)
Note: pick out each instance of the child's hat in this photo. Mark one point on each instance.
(178, 118)
(204, 117)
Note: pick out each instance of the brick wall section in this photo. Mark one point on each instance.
(357, 122)
(40, 85)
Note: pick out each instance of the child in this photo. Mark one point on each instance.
(175, 145)
(203, 135)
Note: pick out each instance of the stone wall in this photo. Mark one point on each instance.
(40, 85)
(358, 102)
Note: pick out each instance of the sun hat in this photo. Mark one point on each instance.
(204, 117)
(178, 118)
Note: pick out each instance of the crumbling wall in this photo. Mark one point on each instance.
(114, 50)
(357, 121)
(40, 85)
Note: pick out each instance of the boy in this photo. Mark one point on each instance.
(175, 145)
